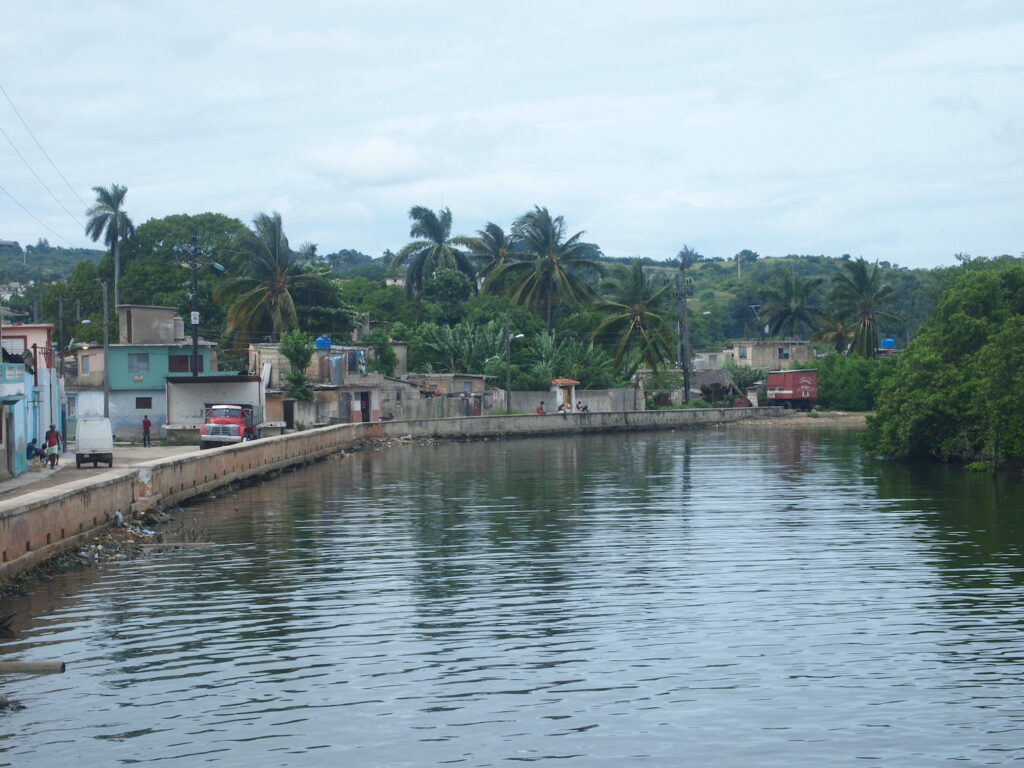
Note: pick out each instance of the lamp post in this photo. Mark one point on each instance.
(508, 363)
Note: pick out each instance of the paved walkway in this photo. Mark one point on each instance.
(127, 455)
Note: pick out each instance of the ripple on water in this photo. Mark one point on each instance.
(714, 598)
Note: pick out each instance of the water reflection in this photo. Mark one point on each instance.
(729, 597)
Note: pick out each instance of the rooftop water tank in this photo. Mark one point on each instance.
(322, 342)
(888, 343)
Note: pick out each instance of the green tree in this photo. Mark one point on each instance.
(788, 304)
(433, 249)
(448, 289)
(260, 299)
(634, 323)
(955, 390)
(551, 266)
(384, 359)
(297, 348)
(859, 291)
(490, 249)
(107, 219)
(835, 331)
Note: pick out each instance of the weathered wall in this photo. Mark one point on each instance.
(185, 401)
(38, 525)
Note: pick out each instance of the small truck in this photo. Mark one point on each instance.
(793, 389)
(229, 423)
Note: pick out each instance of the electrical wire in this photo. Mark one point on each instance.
(44, 226)
(47, 156)
(39, 179)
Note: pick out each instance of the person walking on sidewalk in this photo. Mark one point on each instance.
(146, 426)
(53, 439)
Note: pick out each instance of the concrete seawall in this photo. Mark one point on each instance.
(41, 524)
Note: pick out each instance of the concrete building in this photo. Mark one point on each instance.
(771, 355)
(43, 389)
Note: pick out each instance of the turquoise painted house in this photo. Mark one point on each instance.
(152, 346)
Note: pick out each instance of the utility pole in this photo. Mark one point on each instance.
(106, 353)
(60, 335)
(194, 266)
(193, 254)
(684, 331)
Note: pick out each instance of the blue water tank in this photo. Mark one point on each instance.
(323, 342)
(888, 343)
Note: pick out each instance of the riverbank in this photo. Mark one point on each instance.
(814, 419)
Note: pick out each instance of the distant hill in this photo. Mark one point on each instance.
(42, 262)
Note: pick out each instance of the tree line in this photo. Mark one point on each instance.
(569, 310)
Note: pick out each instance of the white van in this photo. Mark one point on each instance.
(94, 441)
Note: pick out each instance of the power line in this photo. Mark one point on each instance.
(47, 156)
(33, 170)
(44, 226)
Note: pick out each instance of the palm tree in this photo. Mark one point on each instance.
(634, 319)
(433, 249)
(490, 249)
(786, 306)
(834, 331)
(858, 291)
(108, 220)
(552, 266)
(260, 297)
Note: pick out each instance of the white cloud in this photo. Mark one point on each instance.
(862, 127)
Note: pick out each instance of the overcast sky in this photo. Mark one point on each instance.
(889, 130)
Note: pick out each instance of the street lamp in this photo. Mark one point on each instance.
(508, 363)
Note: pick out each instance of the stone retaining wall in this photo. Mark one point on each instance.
(40, 524)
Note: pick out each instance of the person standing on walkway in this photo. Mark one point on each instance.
(146, 426)
(53, 440)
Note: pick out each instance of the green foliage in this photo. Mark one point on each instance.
(297, 348)
(848, 383)
(664, 381)
(635, 325)
(744, 376)
(297, 385)
(549, 267)
(434, 248)
(448, 289)
(384, 359)
(789, 304)
(551, 358)
(262, 293)
(955, 392)
(43, 262)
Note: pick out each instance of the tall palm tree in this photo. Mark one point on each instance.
(552, 266)
(490, 249)
(260, 297)
(433, 249)
(858, 290)
(107, 219)
(635, 319)
(787, 305)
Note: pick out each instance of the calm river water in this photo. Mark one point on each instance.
(737, 597)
